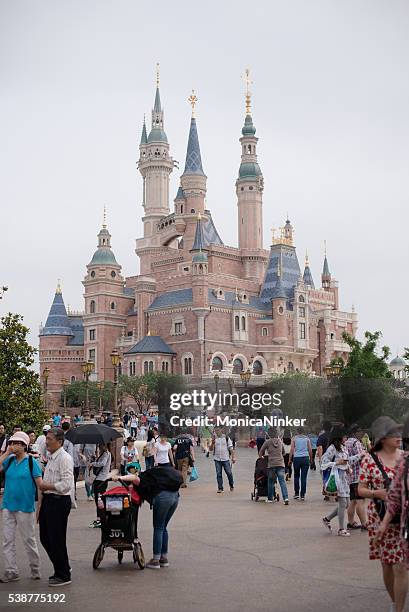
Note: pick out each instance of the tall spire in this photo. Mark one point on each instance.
(193, 163)
(157, 133)
(199, 241)
(157, 106)
(325, 268)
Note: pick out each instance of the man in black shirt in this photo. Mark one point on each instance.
(184, 454)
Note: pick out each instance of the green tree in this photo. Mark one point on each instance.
(76, 394)
(20, 388)
(364, 360)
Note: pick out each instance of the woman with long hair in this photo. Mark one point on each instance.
(378, 469)
(337, 459)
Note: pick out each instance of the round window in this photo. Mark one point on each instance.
(113, 274)
(93, 274)
(280, 310)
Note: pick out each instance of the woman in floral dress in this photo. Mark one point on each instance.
(388, 548)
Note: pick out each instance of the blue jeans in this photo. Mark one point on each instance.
(149, 462)
(273, 474)
(164, 505)
(301, 466)
(223, 465)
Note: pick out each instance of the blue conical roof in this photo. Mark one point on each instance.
(144, 136)
(193, 163)
(278, 291)
(325, 269)
(199, 241)
(282, 274)
(57, 323)
(307, 277)
(157, 106)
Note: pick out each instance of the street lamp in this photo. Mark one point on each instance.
(46, 374)
(245, 377)
(87, 368)
(332, 371)
(64, 382)
(115, 360)
(100, 386)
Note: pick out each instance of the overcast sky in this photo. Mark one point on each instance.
(330, 103)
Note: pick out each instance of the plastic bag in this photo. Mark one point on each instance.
(194, 475)
(331, 484)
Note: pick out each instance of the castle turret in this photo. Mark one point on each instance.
(106, 306)
(155, 166)
(307, 276)
(249, 185)
(328, 282)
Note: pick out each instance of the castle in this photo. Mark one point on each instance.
(197, 306)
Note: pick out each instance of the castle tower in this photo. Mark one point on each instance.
(106, 306)
(249, 185)
(328, 282)
(155, 166)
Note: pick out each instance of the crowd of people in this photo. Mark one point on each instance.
(368, 484)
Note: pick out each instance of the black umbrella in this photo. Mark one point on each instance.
(92, 433)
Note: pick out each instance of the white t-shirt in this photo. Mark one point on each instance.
(162, 452)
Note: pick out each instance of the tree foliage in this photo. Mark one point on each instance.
(20, 388)
(364, 360)
(76, 394)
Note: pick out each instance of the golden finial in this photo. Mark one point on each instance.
(307, 263)
(104, 221)
(248, 82)
(58, 290)
(193, 101)
(157, 74)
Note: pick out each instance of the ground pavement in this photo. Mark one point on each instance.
(226, 553)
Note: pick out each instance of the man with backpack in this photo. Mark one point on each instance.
(184, 455)
(223, 453)
(22, 476)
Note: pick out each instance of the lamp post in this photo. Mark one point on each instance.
(245, 377)
(87, 368)
(332, 371)
(64, 382)
(46, 374)
(100, 386)
(115, 360)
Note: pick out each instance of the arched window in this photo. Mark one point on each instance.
(165, 366)
(72, 379)
(92, 306)
(257, 368)
(217, 364)
(237, 323)
(112, 305)
(243, 323)
(145, 367)
(237, 366)
(181, 209)
(264, 331)
(187, 366)
(290, 367)
(301, 298)
(151, 366)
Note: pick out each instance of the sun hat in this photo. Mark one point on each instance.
(384, 427)
(20, 436)
(46, 427)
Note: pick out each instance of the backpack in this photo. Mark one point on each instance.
(158, 479)
(30, 466)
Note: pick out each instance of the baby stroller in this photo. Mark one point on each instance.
(260, 480)
(118, 510)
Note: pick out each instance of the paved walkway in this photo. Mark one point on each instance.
(226, 553)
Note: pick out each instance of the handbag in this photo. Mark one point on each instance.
(194, 475)
(330, 486)
(380, 504)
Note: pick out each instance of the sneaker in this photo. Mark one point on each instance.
(35, 577)
(231, 488)
(327, 523)
(10, 578)
(269, 501)
(344, 533)
(296, 497)
(286, 502)
(220, 491)
(302, 498)
(353, 526)
(163, 562)
(90, 498)
(57, 582)
(153, 564)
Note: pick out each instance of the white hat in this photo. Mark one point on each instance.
(46, 427)
(20, 436)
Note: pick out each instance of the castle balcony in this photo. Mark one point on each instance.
(125, 342)
(337, 346)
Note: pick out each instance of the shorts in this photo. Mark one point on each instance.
(353, 491)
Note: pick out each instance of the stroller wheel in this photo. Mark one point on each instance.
(120, 556)
(98, 556)
(138, 556)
